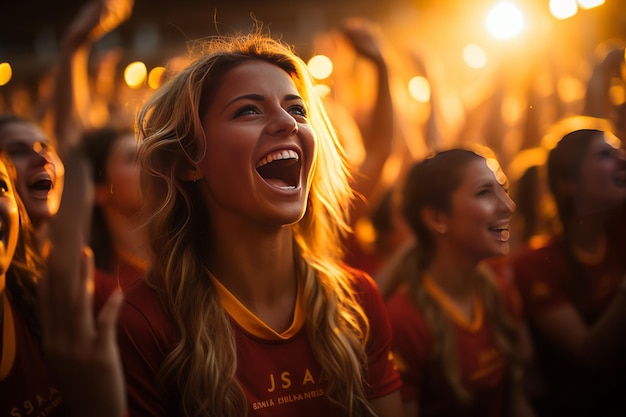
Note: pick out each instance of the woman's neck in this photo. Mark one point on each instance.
(454, 289)
(454, 278)
(261, 274)
(588, 233)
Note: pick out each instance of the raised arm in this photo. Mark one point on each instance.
(70, 103)
(378, 134)
(81, 350)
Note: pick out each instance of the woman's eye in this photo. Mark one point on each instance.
(17, 151)
(246, 110)
(4, 188)
(298, 110)
(484, 191)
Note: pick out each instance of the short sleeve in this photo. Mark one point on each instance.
(412, 343)
(383, 378)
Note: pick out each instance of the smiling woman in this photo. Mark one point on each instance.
(247, 308)
(40, 172)
(457, 332)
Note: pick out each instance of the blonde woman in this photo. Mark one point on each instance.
(247, 309)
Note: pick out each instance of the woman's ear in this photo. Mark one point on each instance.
(435, 220)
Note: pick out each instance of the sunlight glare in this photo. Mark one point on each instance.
(320, 66)
(563, 9)
(505, 20)
(590, 4)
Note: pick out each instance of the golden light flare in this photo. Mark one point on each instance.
(135, 74)
(419, 89)
(590, 4)
(155, 77)
(474, 56)
(322, 90)
(6, 73)
(570, 89)
(320, 66)
(563, 9)
(505, 20)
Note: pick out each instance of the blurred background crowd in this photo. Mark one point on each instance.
(505, 74)
(400, 79)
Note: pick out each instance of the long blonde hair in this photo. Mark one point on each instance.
(204, 362)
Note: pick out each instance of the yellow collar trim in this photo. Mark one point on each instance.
(254, 325)
(132, 260)
(592, 258)
(8, 339)
(451, 309)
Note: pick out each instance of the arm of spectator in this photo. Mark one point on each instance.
(389, 405)
(82, 351)
(597, 346)
(70, 98)
(410, 409)
(378, 134)
(597, 101)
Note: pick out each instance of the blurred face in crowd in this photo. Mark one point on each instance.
(40, 171)
(601, 183)
(478, 223)
(120, 191)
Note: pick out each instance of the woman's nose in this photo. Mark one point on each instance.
(283, 123)
(507, 202)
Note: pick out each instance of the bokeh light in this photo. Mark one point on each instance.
(6, 73)
(135, 74)
(505, 20)
(322, 90)
(155, 77)
(474, 56)
(419, 89)
(590, 4)
(563, 9)
(320, 66)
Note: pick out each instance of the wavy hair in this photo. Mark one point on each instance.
(431, 183)
(204, 362)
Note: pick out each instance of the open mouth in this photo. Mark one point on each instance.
(501, 232)
(280, 169)
(41, 185)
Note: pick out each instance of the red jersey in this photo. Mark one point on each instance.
(127, 272)
(546, 280)
(484, 373)
(278, 372)
(26, 388)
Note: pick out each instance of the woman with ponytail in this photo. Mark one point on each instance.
(458, 336)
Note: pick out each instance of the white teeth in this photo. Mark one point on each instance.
(275, 156)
